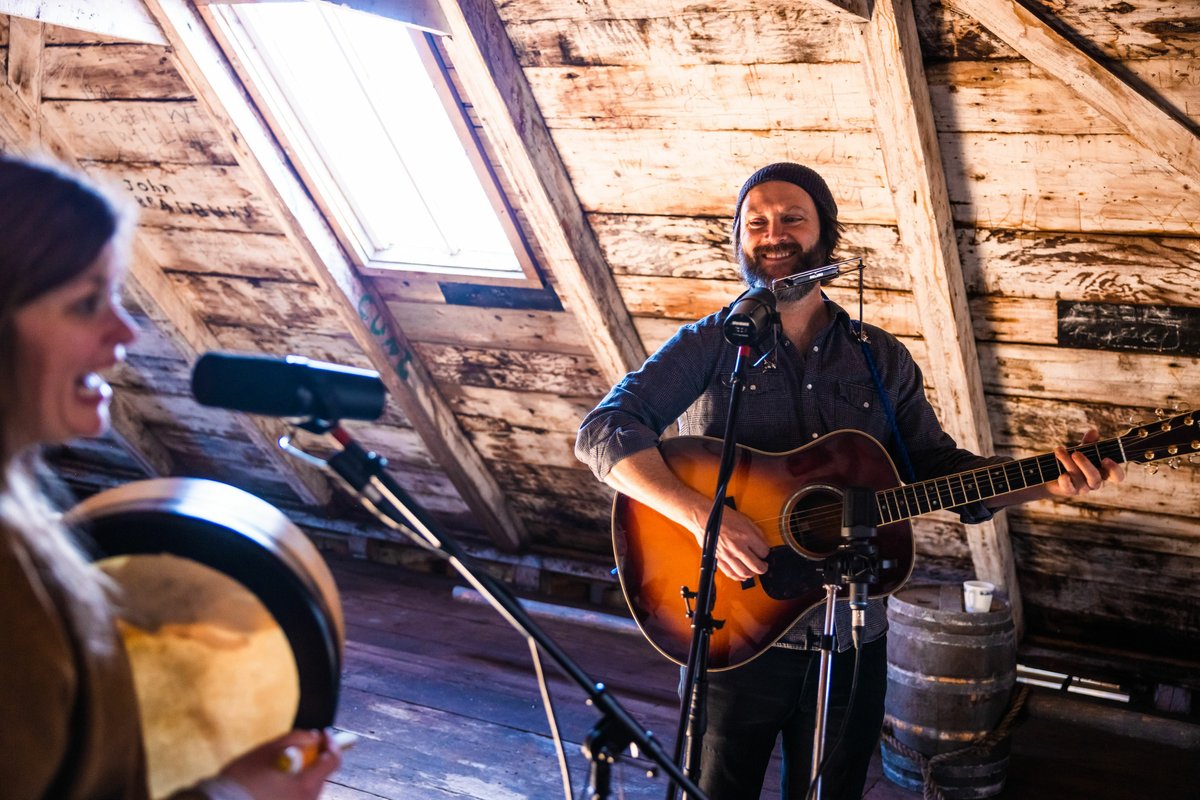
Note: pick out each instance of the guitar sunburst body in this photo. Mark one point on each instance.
(795, 498)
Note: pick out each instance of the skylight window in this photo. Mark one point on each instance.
(368, 116)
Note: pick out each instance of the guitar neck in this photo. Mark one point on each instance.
(913, 500)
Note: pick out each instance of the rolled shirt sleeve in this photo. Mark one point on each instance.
(633, 415)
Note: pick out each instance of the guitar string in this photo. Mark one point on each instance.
(831, 512)
(1010, 470)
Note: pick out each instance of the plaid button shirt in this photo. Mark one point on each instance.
(791, 399)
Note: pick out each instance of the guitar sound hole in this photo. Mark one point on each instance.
(814, 521)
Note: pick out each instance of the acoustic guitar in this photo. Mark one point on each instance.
(795, 498)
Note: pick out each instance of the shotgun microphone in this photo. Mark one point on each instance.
(292, 386)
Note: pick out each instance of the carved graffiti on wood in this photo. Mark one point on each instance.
(150, 194)
(1107, 326)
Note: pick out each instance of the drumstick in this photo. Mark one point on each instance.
(298, 756)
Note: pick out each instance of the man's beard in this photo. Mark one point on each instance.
(755, 276)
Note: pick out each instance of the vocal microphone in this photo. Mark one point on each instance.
(292, 386)
(750, 316)
(817, 274)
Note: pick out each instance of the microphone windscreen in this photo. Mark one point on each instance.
(762, 295)
(750, 316)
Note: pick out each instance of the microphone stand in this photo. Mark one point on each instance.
(855, 563)
(751, 317)
(692, 721)
(364, 472)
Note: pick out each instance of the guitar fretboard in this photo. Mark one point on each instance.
(913, 500)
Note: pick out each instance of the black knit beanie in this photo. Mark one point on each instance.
(802, 176)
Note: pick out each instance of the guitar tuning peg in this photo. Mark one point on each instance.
(1173, 463)
(1160, 413)
(1152, 469)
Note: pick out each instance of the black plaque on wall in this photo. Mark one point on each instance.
(1169, 330)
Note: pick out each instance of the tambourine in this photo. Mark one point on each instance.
(229, 614)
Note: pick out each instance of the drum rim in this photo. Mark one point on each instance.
(322, 628)
(221, 503)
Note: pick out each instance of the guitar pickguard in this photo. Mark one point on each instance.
(789, 575)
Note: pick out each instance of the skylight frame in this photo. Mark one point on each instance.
(318, 173)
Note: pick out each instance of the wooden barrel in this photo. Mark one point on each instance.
(950, 678)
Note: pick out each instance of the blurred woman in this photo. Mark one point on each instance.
(69, 725)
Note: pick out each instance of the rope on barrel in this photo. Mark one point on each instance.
(933, 791)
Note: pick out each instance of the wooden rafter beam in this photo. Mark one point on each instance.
(17, 121)
(503, 101)
(151, 289)
(891, 56)
(24, 75)
(219, 91)
(124, 19)
(849, 10)
(1139, 115)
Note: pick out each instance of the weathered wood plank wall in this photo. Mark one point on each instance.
(659, 109)
(662, 108)
(130, 120)
(1056, 204)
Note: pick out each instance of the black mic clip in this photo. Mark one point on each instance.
(315, 425)
(356, 465)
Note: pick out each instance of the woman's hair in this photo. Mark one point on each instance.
(53, 227)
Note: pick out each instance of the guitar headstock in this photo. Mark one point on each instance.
(1170, 438)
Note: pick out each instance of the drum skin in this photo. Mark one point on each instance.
(250, 541)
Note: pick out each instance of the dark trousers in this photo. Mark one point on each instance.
(776, 693)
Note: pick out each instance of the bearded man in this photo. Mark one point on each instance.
(808, 380)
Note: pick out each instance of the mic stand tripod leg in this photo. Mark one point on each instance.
(602, 742)
(823, 682)
(599, 778)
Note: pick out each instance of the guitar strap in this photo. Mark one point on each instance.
(865, 342)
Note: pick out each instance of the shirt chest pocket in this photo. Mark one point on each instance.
(858, 407)
(758, 380)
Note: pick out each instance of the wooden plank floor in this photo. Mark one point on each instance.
(445, 698)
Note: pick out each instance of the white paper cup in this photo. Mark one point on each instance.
(977, 596)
